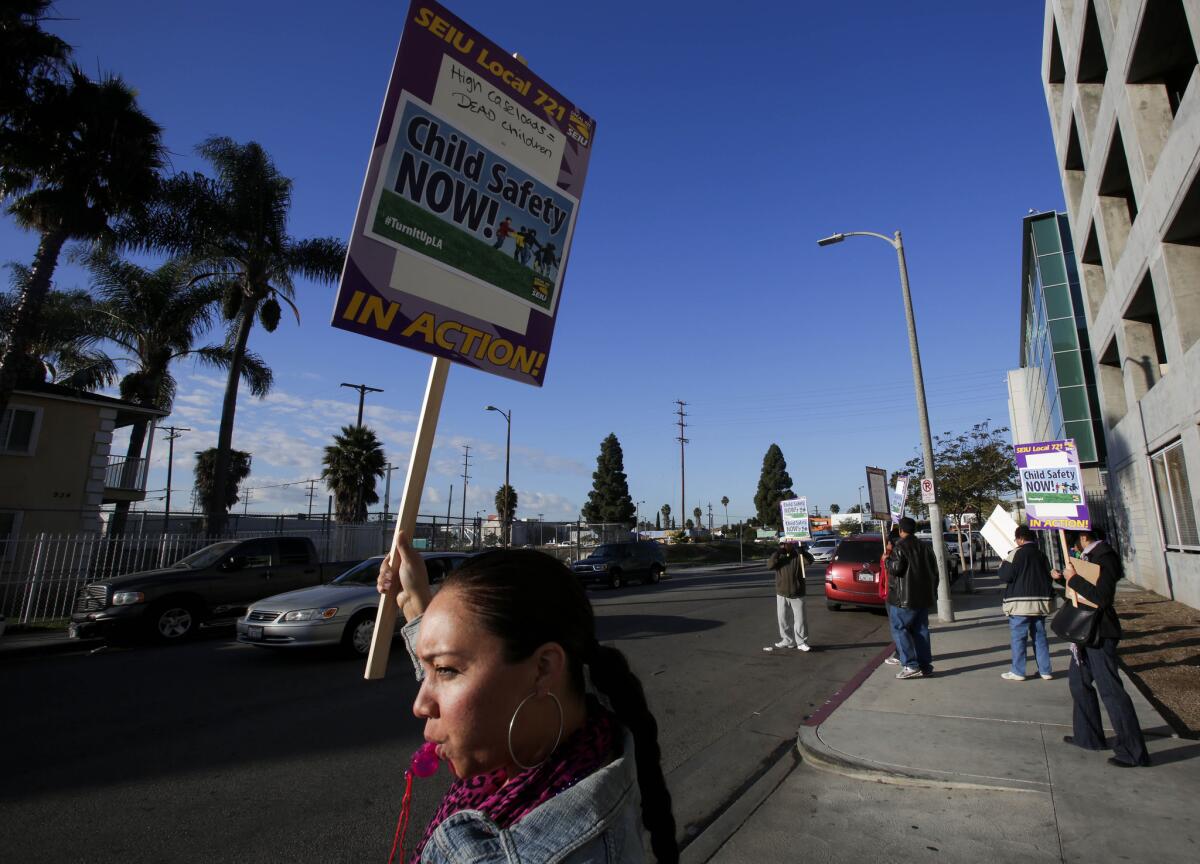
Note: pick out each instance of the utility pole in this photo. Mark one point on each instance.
(246, 502)
(709, 520)
(363, 390)
(465, 477)
(449, 503)
(682, 475)
(172, 434)
(388, 468)
(312, 493)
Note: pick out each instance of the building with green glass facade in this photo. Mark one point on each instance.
(1053, 394)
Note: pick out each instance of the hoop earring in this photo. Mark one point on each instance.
(513, 722)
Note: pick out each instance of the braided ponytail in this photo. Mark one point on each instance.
(612, 676)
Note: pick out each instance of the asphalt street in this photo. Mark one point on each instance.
(215, 751)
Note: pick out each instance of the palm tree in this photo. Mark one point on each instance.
(236, 224)
(205, 468)
(86, 156)
(352, 463)
(506, 506)
(156, 316)
(725, 504)
(665, 510)
(30, 58)
(62, 349)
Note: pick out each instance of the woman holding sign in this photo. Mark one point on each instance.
(510, 671)
(1094, 665)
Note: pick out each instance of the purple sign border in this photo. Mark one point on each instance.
(1082, 518)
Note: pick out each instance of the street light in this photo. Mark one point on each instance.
(506, 525)
(637, 518)
(945, 607)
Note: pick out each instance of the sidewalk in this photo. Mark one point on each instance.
(40, 641)
(1010, 788)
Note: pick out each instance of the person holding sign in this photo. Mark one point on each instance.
(912, 590)
(504, 653)
(1028, 599)
(1094, 666)
(788, 563)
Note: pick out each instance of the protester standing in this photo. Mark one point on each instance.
(788, 564)
(912, 589)
(1094, 666)
(1028, 599)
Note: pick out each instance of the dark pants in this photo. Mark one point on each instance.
(1099, 667)
(910, 632)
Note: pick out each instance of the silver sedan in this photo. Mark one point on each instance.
(339, 613)
(823, 548)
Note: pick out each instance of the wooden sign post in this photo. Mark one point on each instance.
(1086, 569)
(406, 518)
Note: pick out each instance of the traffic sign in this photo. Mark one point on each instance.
(927, 491)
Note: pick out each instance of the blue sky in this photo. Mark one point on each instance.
(727, 142)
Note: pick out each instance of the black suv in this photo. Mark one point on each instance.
(613, 564)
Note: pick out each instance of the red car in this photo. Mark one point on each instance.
(853, 577)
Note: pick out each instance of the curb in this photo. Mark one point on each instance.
(821, 756)
(717, 833)
(46, 646)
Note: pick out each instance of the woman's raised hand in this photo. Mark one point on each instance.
(406, 578)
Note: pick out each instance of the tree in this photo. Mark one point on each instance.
(236, 224)
(156, 316)
(609, 500)
(62, 348)
(206, 462)
(658, 521)
(725, 504)
(855, 508)
(835, 509)
(506, 506)
(698, 514)
(85, 156)
(774, 485)
(974, 471)
(665, 510)
(352, 463)
(30, 59)
(689, 524)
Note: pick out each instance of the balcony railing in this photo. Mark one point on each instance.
(126, 474)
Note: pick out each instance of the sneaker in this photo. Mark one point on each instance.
(1047, 677)
(803, 646)
(1012, 676)
(892, 661)
(913, 672)
(783, 643)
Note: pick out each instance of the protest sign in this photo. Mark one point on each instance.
(898, 496)
(1051, 485)
(463, 227)
(999, 531)
(795, 519)
(469, 205)
(878, 493)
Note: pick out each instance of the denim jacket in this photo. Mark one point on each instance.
(596, 821)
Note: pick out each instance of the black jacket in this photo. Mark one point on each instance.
(1027, 576)
(1104, 591)
(789, 574)
(912, 574)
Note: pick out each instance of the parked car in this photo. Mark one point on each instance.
(822, 549)
(950, 544)
(614, 564)
(340, 613)
(852, 577)
(214, 583)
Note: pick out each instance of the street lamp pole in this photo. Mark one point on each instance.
(506, 516)
(945, 606)
(861, 526)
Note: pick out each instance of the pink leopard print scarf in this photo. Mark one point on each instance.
(507, 799)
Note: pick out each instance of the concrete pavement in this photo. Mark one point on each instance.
(970, 765)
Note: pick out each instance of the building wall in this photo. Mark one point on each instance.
(58, 487)
(1124, 102)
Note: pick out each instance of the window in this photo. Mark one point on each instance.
(293, 550)
(18, 431)
(1174, 498)
(10, 525)
(256, 553)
